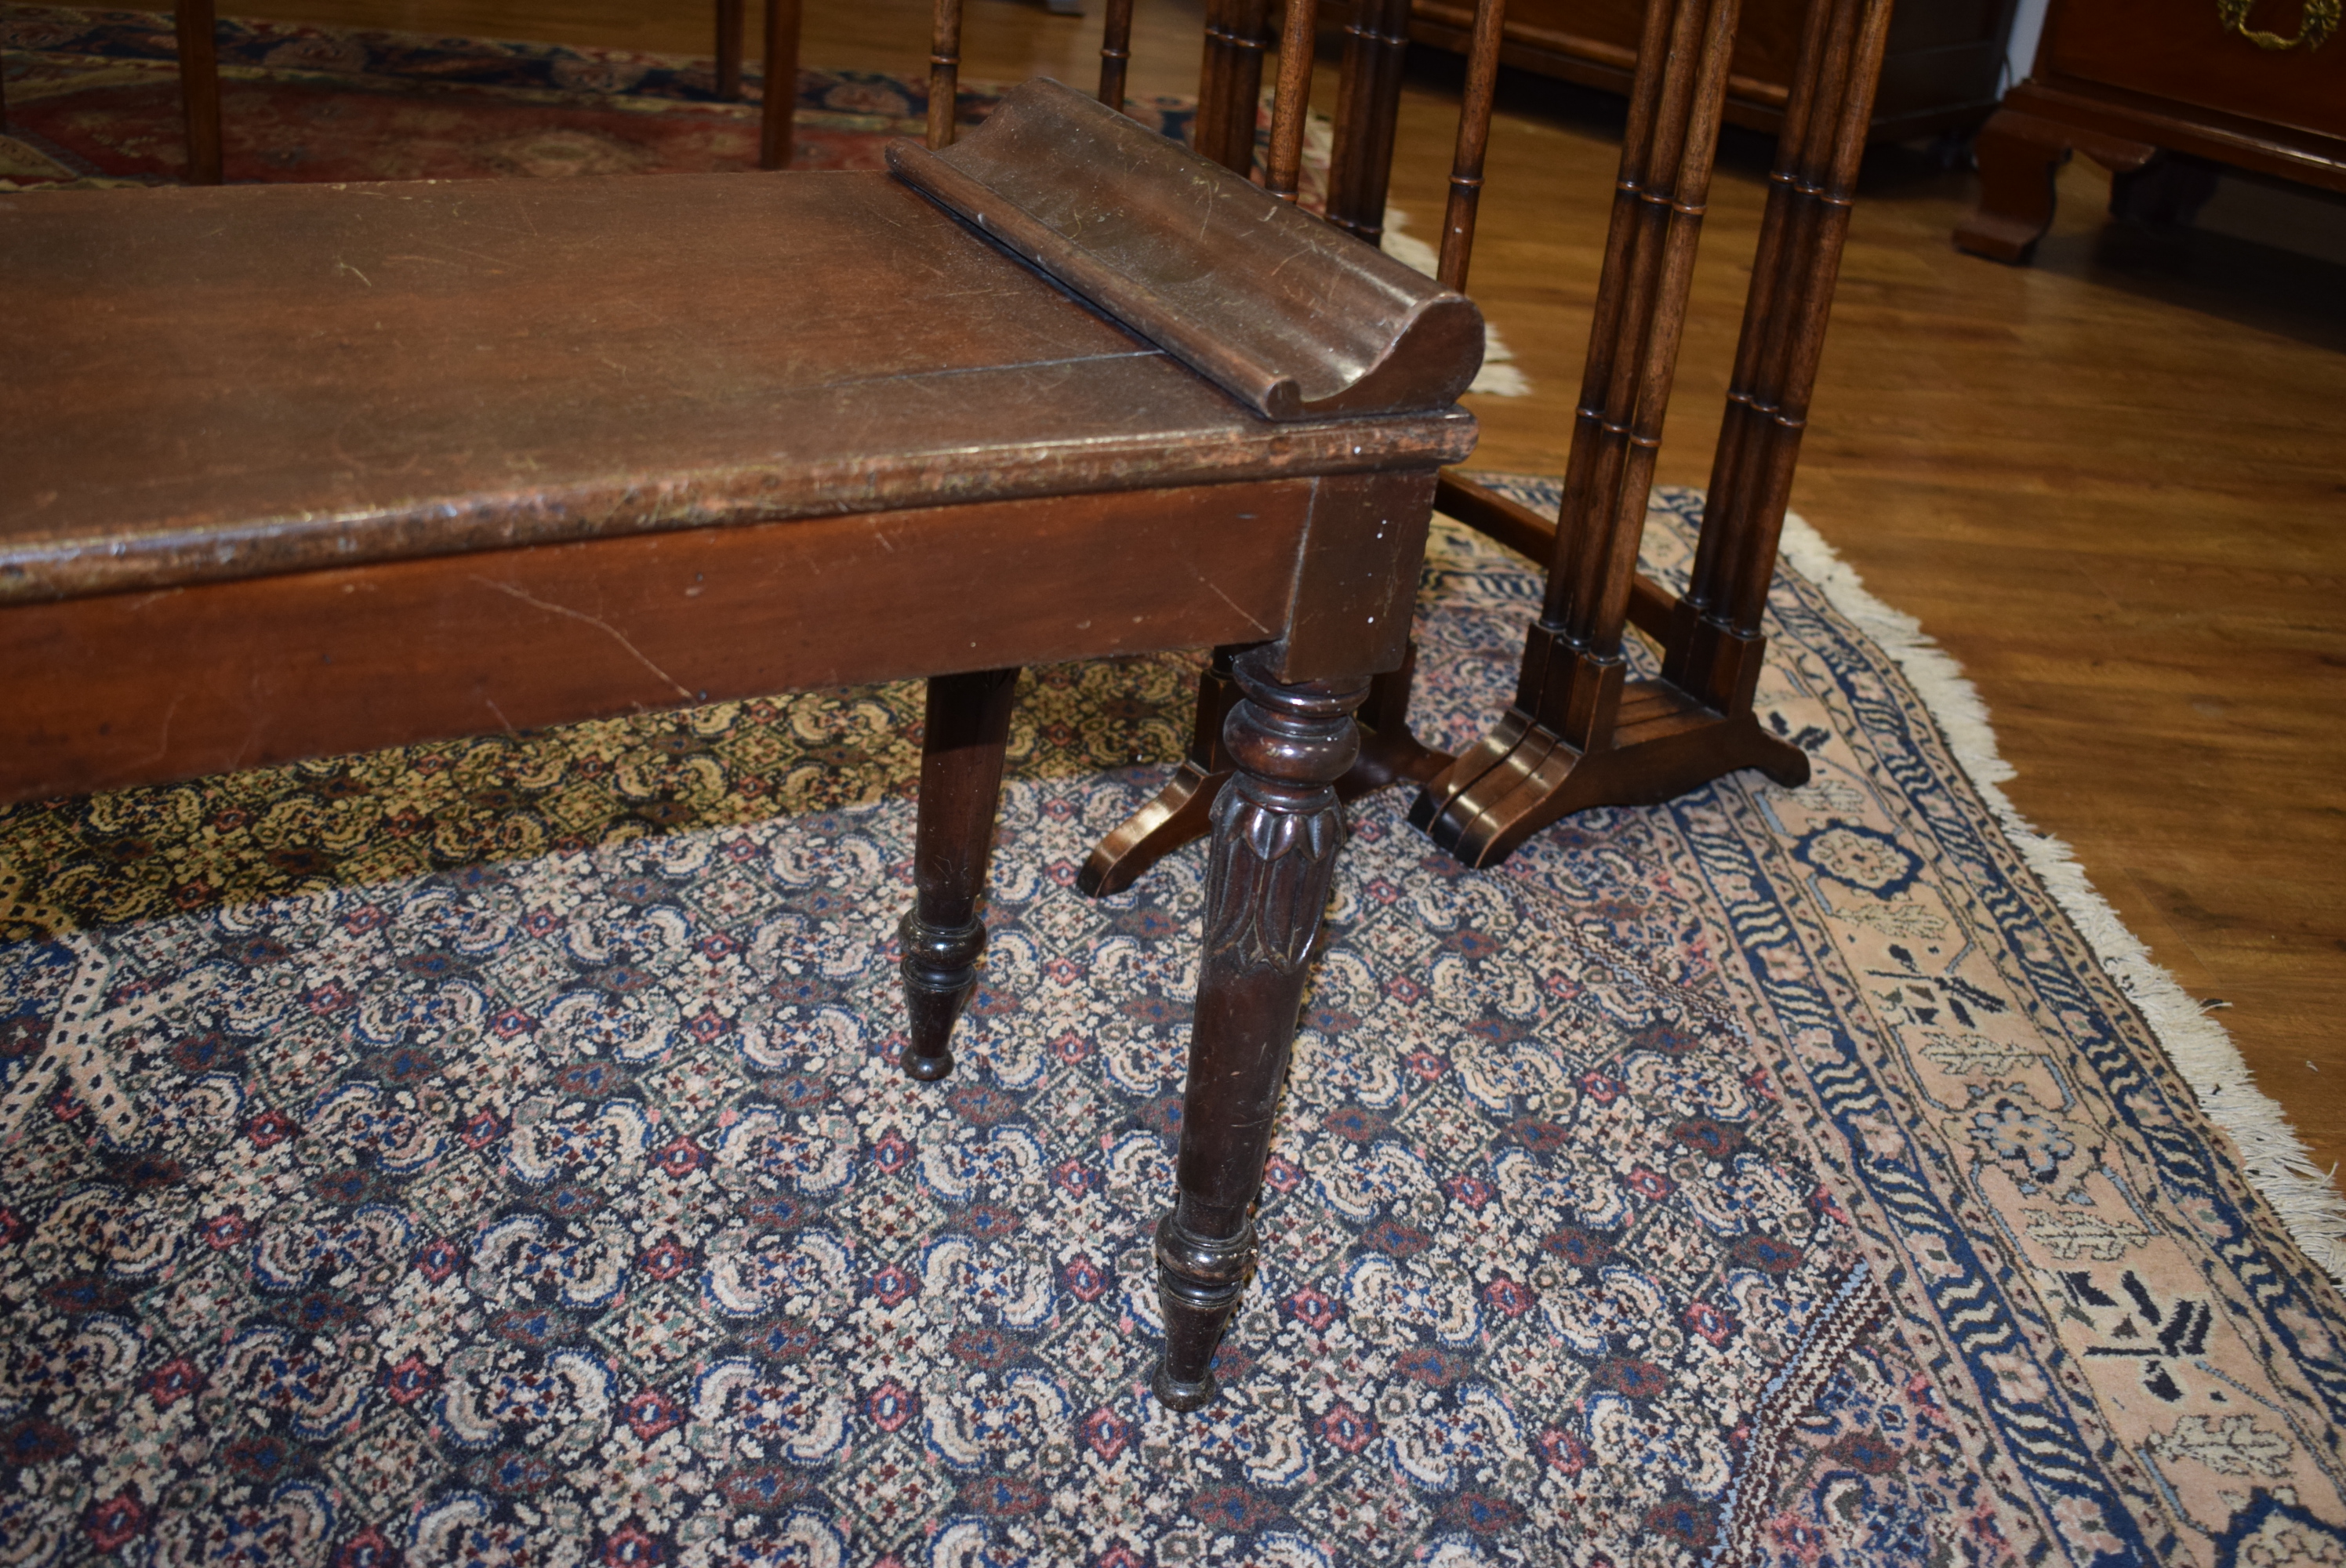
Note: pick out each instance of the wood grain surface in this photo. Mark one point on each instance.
(326, 375)
(1267, 301)
(275, 669)
(2111, 483)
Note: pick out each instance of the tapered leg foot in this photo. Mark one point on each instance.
(1198, 1281)
(1276, 825)
(968, 723)
(940, 970)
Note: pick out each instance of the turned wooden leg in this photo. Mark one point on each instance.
(961, 782)
(200, 90)
(1276, 827)
(1183, 810)
(728, 48)
(774, 143)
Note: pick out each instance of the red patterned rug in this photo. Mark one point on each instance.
(94, 99)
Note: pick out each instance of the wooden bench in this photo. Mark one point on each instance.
(299, 470)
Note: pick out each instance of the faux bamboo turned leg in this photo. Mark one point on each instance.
(1368, 106)
(1229, 84)
(1291, 103)
(1115, 52)
(1822, 232)
(968, 723)
(1516, 738)
(774, 126)
(1727, 502)
(1717, 648)
(1590, 595)
(730, 27)
(1277, 829)
(945, 71)
(1557, 752)
(1213, 70)
(1569, 693)
(1474, 141)
(200, 90)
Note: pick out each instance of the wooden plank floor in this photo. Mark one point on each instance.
(2113, 484)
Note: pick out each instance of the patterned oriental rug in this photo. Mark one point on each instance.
(522, 1173)
(94, 100)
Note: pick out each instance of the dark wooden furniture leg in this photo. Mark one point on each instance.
(730, 25)
(1580, 733)
(1115, 52)
(774, 141)
(1360, 172)
(1569, 690)
(968, 722)
(945, 71)
(1183, 810)
(1276, 827)
(200, 90)
(1229, 81)
(2019, 154)
(1368, 109)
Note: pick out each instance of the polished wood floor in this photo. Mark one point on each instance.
(2113, 484)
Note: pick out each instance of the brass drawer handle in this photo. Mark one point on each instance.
(2321, 21)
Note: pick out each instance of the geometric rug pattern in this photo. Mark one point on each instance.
(520, 1170)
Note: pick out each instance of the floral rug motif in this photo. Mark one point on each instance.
(518, 1171)
(94, 99)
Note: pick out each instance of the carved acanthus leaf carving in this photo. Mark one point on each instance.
(1274, 871)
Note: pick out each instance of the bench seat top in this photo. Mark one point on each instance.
(204, 384)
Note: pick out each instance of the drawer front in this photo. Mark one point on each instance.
(2182, 49)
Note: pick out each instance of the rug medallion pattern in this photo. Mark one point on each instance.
(520, 1172)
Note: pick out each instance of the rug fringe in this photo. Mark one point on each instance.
(2309, 1203)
